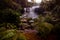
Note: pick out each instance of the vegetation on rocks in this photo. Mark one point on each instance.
(47, 23)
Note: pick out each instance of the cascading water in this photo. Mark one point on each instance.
(30, 13)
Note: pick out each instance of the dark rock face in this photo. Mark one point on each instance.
(39, 11)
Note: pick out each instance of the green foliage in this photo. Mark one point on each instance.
(2, 29)
(8, 15)
(7, 34)
(46, 25)
(21, 37)
(42, 26)
(50, 19)
(12, 34)
(9, 18)
(8, 25)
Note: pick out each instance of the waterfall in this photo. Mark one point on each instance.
(30, 12)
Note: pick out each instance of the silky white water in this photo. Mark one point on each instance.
(31, 13)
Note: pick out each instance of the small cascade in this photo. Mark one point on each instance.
(29, 12)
